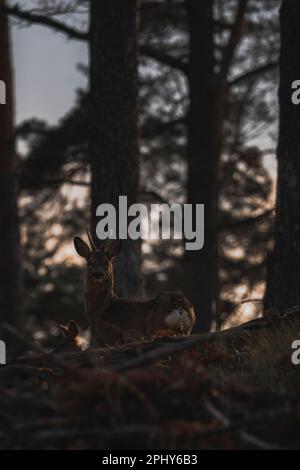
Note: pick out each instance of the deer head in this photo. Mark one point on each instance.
(99, 261)
(70, 338)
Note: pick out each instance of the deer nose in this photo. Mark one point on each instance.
(97, 275)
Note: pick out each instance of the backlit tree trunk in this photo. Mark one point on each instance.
(10, 278)
(283, 277)
(208, 92)
(113, 127)
(201, 270)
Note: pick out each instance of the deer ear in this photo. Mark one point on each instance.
(73, 329)
(82, 248)
(64, 330)
(114, 248)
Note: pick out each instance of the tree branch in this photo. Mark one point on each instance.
(253, 73)
(247, 221)
(163, 58)
(221, 25)
(41, 182)
(73, 33)
(27, 16)
(152, 196)
(246, 436)
(234, 39)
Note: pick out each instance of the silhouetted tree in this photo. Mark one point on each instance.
(201, 269)
(283, 279)
(113, 148)
(208, 99)
(58, 153)
(10, 280)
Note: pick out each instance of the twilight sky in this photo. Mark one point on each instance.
(46, 76)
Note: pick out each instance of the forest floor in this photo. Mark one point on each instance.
(235, 389)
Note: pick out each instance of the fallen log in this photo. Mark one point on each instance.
(140, 354)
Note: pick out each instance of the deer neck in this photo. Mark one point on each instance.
(98, 296)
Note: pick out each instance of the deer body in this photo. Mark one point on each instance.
(116, 320)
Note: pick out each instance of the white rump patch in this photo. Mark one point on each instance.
(178, 318)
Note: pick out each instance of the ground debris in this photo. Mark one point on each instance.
(230, 390)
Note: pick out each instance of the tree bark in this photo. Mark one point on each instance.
(208, 102)
(10, 272)
(113, 129)
(201, 270)
(283, 271)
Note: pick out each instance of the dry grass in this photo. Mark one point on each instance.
(232, 393)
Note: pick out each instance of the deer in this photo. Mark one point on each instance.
(114, 320)
(69, 340)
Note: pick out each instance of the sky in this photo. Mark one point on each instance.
(47, 77)
(45, 69)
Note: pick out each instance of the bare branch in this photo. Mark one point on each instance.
(246, 436)
(247, 221)
(253, 73)
(152, 196)
(73, 33)
(163, 58)
(221, 25)
(38, 182)
(27, 16)
(234, 39)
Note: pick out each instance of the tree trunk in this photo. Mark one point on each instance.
(283, 276)
(201, 269)
(113, 128)
(10, 273)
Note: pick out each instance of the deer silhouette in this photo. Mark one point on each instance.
(118, 320)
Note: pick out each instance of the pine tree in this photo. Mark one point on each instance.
(283, 278)
(201, 270)
(113, 146)
(10, 278)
